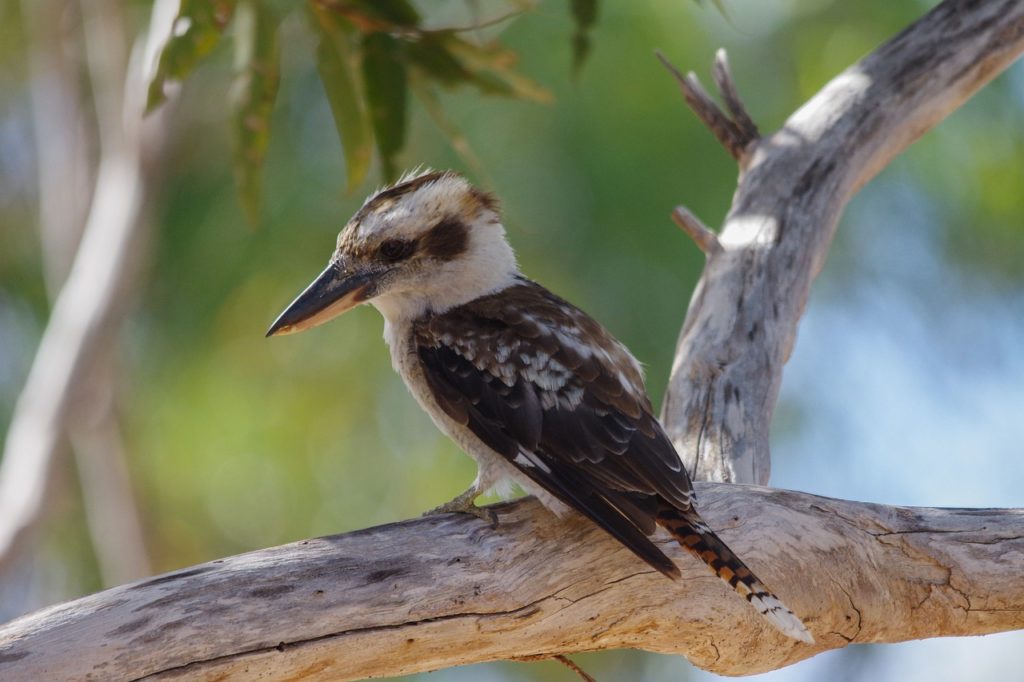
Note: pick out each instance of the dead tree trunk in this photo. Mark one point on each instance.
(431, 593)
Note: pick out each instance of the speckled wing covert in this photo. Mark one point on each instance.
(548, 388)
(570, 413)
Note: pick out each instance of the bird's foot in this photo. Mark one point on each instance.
(463, 504)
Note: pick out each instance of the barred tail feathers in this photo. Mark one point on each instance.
(690, 531)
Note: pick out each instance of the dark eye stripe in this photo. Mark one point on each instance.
(446, 240)
(394, 250)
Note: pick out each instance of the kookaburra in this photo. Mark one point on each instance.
(532, 387)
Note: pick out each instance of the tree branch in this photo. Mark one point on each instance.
(701, 234)
(61, 137)
(84, 311)
(734, 135)
(794, 184)
(731, 96)
(61, 134)
(448, 590)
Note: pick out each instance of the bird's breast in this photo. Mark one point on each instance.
(494, 470)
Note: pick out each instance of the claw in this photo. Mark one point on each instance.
(463, 504)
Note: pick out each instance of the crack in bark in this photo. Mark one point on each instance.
(285, 646)
(705, 423)
(993, 541)
(628, 577)
(860, 616)
(718, 654)
(608, 628)
(857, 524)
(525, 609)
(934, 531)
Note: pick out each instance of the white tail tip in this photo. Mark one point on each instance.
(781, 617)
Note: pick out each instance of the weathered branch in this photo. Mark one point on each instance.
(731, 96)
(793, 186)
(60, 137)
(736, 136)
(83, 312)
(108, 498)
(448, 590)
(701, 234)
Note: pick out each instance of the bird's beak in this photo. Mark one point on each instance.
(337, 289)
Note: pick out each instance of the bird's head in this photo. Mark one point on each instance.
(430, 242)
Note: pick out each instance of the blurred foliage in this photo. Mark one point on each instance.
(196, 31)
(584, 13)
(257, 78)
(385, 38)
(240, 442)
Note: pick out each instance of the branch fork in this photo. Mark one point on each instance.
(735, 130)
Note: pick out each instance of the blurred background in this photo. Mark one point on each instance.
(198, 438)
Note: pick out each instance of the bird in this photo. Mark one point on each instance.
(539, 393)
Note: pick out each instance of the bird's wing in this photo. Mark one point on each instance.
(548, 388)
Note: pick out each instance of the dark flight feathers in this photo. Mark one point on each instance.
(548, 388)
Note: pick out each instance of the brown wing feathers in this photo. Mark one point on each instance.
(511, 429)
(545, 386)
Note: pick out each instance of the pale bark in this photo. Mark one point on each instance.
(85, 312)
(449, 590)
(793, 186)
(62, 134)
(108, 496)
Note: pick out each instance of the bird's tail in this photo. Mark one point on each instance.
(690, 531)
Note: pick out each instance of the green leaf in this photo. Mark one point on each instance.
(584, 14)
(398, 12)
(257, 77)
(431, 54)
(194, 34)
(492, 67)
(335, 61)
(451, 60)
(386, 92)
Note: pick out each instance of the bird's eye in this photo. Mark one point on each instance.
(394, 250)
